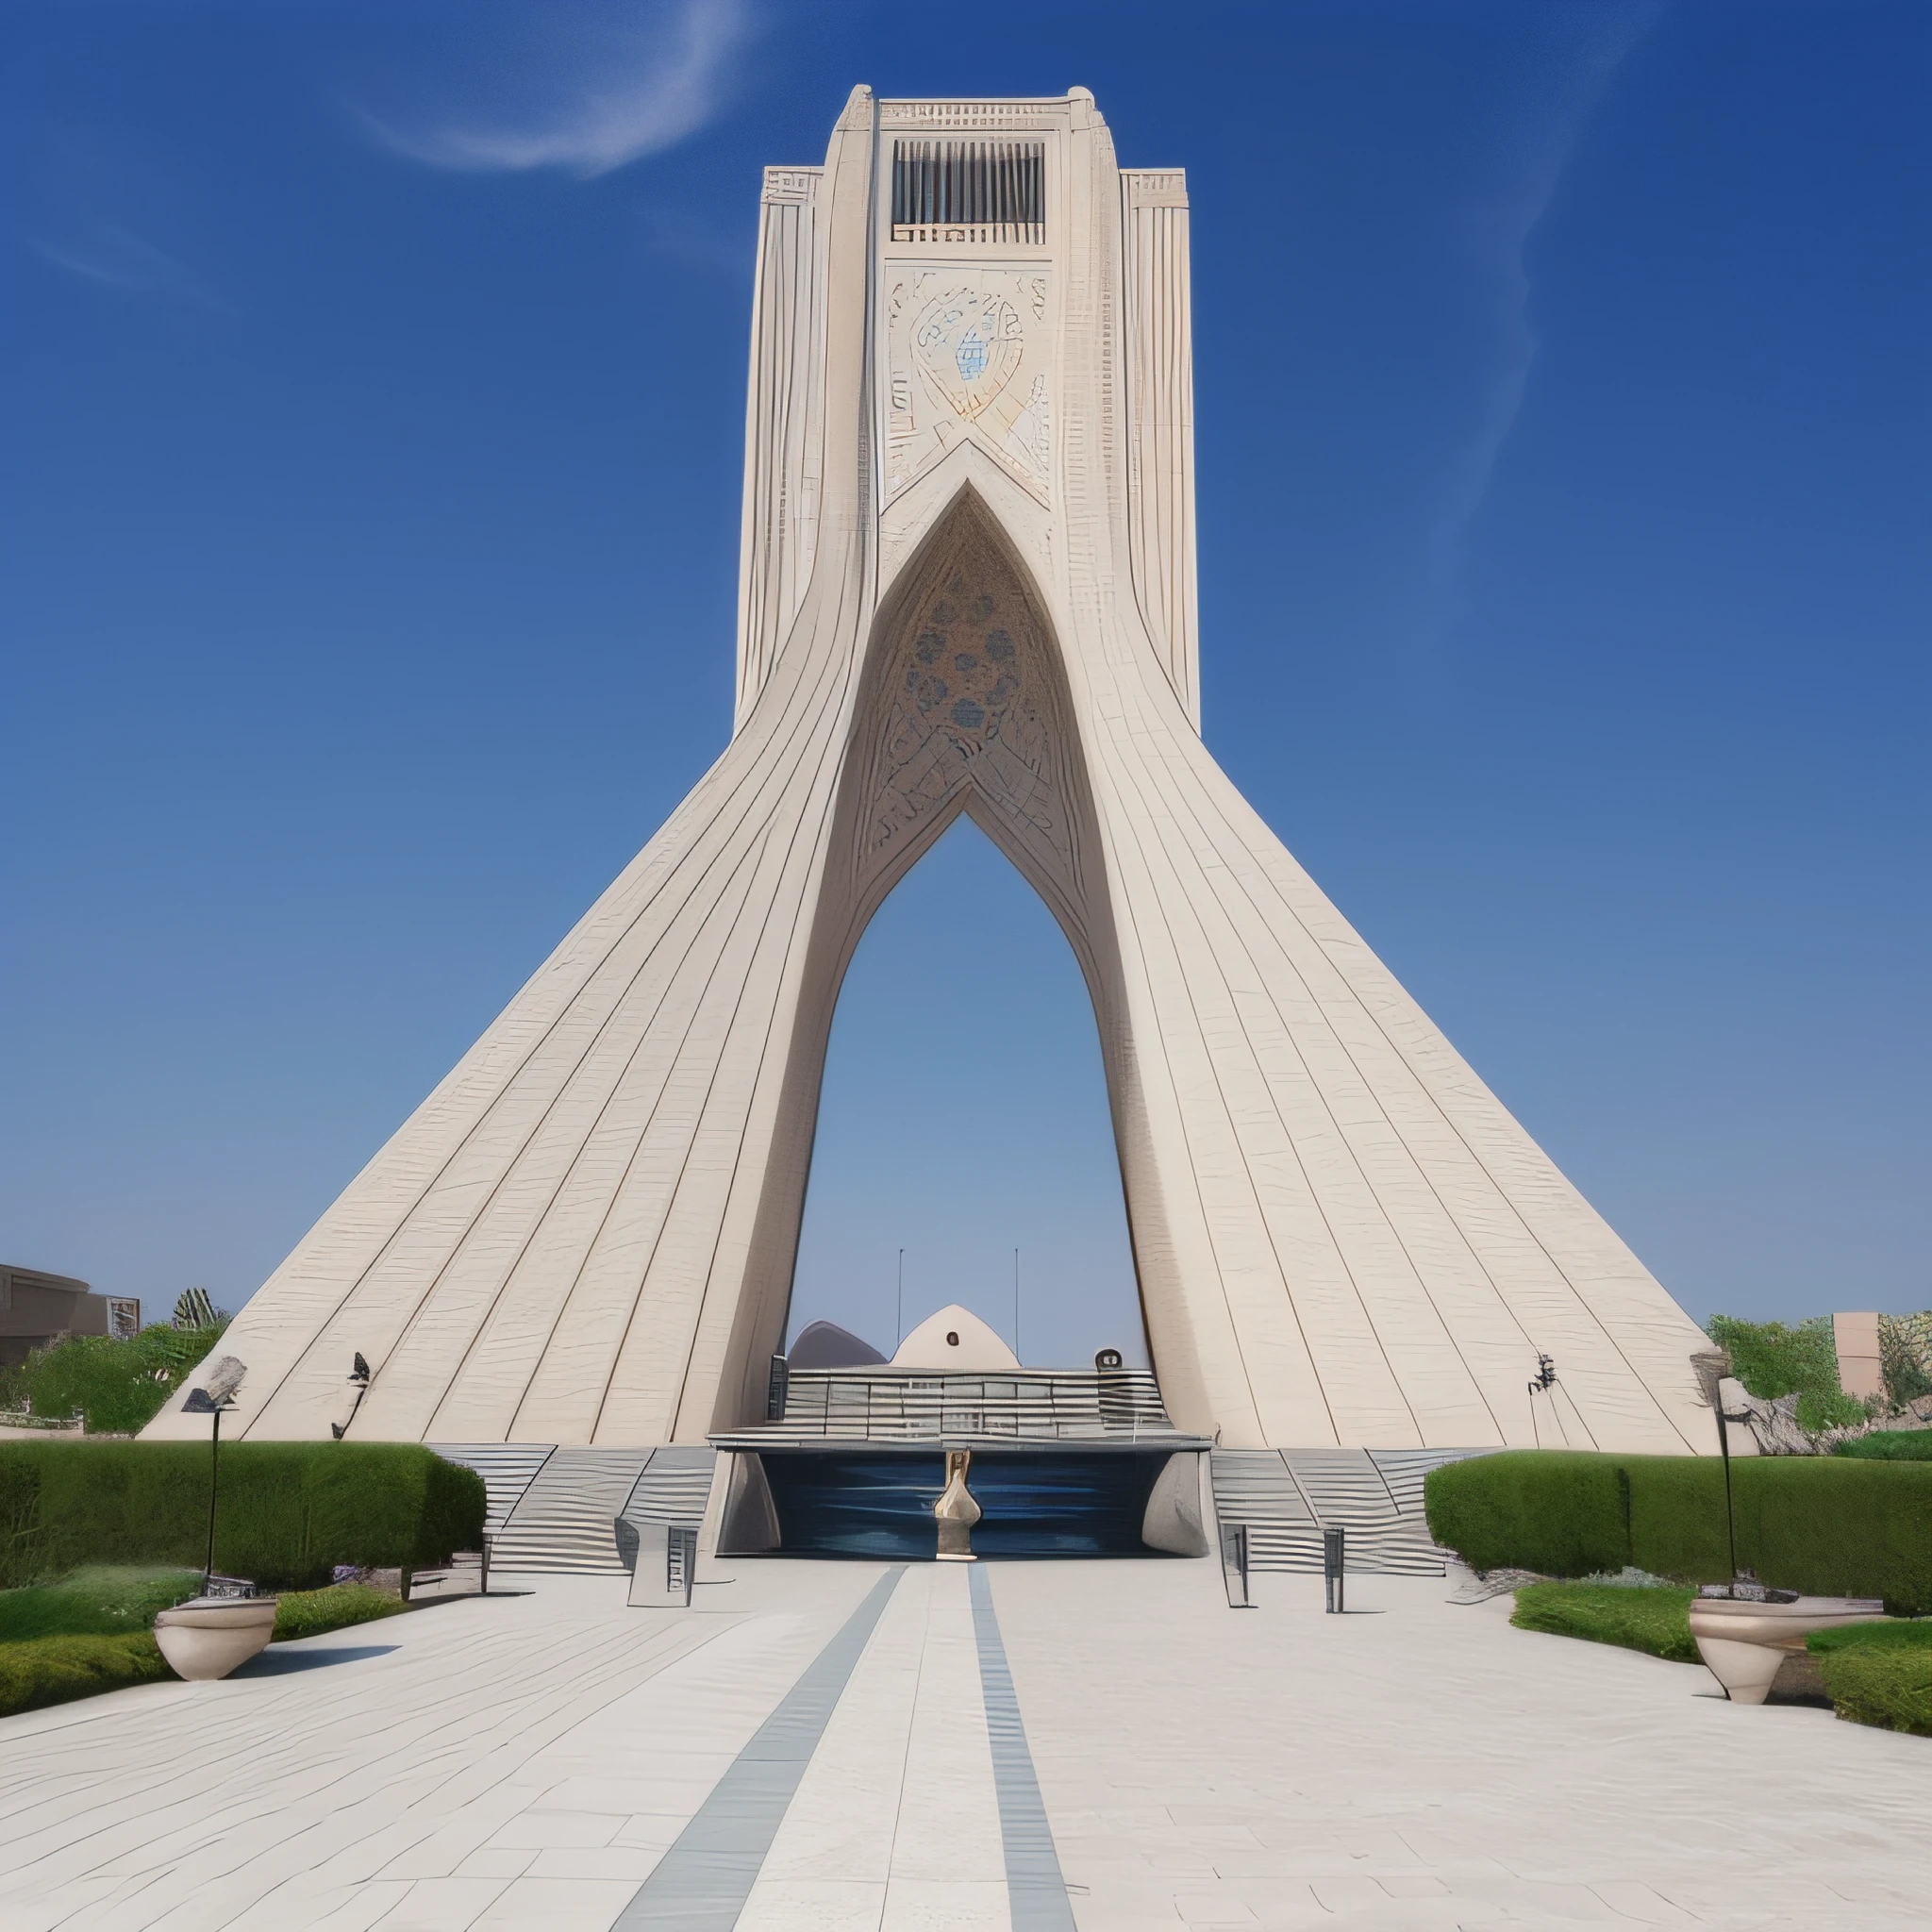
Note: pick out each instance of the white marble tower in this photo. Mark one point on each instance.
(967, 585)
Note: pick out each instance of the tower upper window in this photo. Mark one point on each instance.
(969, 190)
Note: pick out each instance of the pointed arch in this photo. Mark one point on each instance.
(963, 705)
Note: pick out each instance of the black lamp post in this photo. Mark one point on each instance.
(1724, 1418)
(217, 1393)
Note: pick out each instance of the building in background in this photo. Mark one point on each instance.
(36, 1309)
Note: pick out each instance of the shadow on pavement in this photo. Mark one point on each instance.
(279, 1662)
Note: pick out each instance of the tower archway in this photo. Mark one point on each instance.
(964, 714)
(964, 1151)
(963, 708)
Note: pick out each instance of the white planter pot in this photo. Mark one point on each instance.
(207, 1637)
(1743, 1643)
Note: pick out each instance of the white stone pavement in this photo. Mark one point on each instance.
(526, 1761)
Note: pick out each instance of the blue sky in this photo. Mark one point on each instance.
(372, 390)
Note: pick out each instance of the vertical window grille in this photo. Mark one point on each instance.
(969, 190)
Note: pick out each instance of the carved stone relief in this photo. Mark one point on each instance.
(970, 357)
(968, 696)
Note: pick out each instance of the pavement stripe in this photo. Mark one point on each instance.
(701, 1884)
(1034, 1886)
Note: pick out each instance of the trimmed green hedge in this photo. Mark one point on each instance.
(1828, 1525)
(289, 1511)
(54, 1669)
(1889, 1446)
(1553, 1511)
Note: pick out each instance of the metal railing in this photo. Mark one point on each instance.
(1043, 1404)
(680, 1559)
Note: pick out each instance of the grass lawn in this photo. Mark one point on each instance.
(54, 1670)
(1879, 1673)
(101, 1601)
(1876, 1673)
(1654, 1620)
(90, 1632)
(314, 1612)
(1890, 1445)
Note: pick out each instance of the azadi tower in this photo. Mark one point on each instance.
(967, 585)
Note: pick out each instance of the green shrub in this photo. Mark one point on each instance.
(96, 1602)
(20, 1520)
(1902, 1357)
(1828, 1525)
(1890, 1445)
(289, 1510)
(1560, 1512)
(1656, 1622)
(119, 1385)
(1828, 1411)
(315, 1612)
(1771, 1360)
(52, 1669)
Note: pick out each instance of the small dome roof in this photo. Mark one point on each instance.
(826, 1345)
(954, 1338)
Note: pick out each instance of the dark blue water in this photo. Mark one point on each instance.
(1058, 1504)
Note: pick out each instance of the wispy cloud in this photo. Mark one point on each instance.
(118, 258)
(1572, 84)
(97, 207)
(605, 87)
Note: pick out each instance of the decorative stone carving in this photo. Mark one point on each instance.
(970, 357)
(967, 698)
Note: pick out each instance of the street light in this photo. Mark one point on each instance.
(217, 1393)
(1712, 1368)
(1725, 1418)
(359, 1380)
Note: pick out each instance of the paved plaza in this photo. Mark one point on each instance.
(822, 1744)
